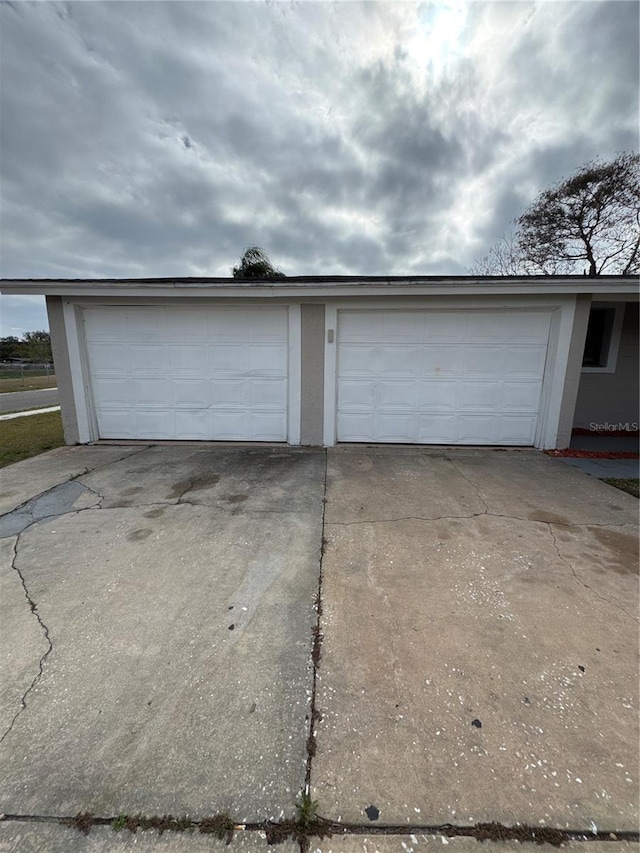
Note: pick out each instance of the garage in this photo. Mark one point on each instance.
(440, 377)
(178, 372)
(318, 360)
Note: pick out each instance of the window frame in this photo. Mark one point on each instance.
(611, 360)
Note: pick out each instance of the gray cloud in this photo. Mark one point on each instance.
(146, 138)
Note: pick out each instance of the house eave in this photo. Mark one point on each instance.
(324, 286)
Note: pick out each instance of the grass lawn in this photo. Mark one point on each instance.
(24, 437)
(632, 486)
(26, 383)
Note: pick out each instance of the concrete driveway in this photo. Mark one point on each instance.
(478, 660)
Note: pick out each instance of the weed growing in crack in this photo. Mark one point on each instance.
(306, 808)
(303, 827)
(119, 823)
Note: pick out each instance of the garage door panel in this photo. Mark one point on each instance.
(229, 392)
(405, 328)
(110, 392)
(450, 377)
(267, 326)
(187, 358)
(477, 429)
(357, 393)
(517, 430)
(267, 426)
(525, 361)
(148, 359)
(145, 324)
(357, 361)
(479, 395)
(154, 424)
(191, 393)
(437, 429)
(268, 359)
(529, 327)
(152, 392)
(228, 358)
(267, 393)
(206, 373)
(116, 421)
(441, 360)
(397, 427)
(485, 327)
(440, 327)
(484, 361)
(256, 426)
(107, 324)
(438, 394)
(194, 424)
(356, 426)
(398, 360)
(365, 326)
(111, 359)
(521, 396)
(400, 393)
(187, 324)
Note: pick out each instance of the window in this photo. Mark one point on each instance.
(603, 338)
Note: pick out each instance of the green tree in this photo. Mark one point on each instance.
(10, 348)
(37, 346)
(588, 223)
(255, 263)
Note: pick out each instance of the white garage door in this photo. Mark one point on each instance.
(441, 377)
(189, 373)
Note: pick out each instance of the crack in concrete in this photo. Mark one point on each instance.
(34, 498)
(471, 483)
(579, 580)
(93, 492)
(472, 515)
(45, 630)
(180, 498)
(316, 649)
(326, 828)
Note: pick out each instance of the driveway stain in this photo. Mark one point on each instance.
(139, 535)
(154, 513)
(623, 548)
(194, 484)
(235, 499)
(548, 517)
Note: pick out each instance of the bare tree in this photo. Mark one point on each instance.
(503, 259)
(255, 263)
(587, 223)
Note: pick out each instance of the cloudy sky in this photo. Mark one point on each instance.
(161, 138)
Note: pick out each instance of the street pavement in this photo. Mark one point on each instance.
(17, 401)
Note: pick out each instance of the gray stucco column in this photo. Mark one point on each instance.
(574, 370)
(312, 374)
(62, 367)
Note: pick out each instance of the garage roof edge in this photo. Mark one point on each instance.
(324, 285)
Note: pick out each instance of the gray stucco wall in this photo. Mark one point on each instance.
(62, 368)
(613, 398)
(312, 374)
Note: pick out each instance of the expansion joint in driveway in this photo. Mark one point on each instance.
(316, 648)
(224, 827)
(34, 609)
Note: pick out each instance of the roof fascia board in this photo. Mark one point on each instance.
(462, 287)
